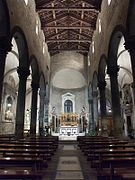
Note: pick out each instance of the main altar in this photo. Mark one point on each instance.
(68, 126)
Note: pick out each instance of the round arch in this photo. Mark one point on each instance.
(112, 69)
(34, 68)
(102, 68)
(21, 42)
(118, 32)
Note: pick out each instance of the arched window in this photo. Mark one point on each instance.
(9, 102)
(68, 106)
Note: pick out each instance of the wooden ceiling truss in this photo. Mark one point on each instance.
(68, 25)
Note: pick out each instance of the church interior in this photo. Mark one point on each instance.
(67, 89)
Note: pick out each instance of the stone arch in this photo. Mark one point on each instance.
(5, 44)
(118, 32)
(23, 72)
(112, 69)
(102, 85)
(35, 69)
(21, 42)
(102, 68)
(34, 98)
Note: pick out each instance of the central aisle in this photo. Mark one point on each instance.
(69, 166)
(69, 163)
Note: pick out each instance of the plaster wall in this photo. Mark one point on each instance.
(111, 16)
(26, 18)
(80, 99)
(68, 59)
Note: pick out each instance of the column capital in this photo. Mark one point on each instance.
(113, 70)
(102, 85)
(23, 72)
(130, 43)
(34, 86)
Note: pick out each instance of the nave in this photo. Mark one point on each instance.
(67, 69)
(47, 158)
(69, 163)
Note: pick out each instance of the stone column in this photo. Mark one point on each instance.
(46, 111)
(102, 86)
(5, 47)
(116, 109)
(130, 46)
(35, 87)
(41, 112)
(95, 108)
(23, 73)
(91, 118)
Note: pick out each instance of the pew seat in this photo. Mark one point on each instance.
(26, 155)
(32, 163)
(20, 174)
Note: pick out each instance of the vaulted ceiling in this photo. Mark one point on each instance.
(68, 25)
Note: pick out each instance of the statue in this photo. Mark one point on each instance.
(8, 115)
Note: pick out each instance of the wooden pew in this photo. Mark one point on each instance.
(20, 174)
(32, 163)
(114, 160)
(26, 155)
(109, 146)
(117, 166)
(87, 140)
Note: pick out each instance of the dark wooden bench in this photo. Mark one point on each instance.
(117, 166)
(86, 141)
(33, 163)
(45, 155)
(26, 155)
(114, 163)
(20, 174)
(109, 146)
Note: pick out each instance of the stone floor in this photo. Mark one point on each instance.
(69, 163)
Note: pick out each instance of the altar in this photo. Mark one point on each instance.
(68, 126)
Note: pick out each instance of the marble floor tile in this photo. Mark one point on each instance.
(69, 163)
(65, 175)
(68, 147)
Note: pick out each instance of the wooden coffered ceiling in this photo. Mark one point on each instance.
(68, 25)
